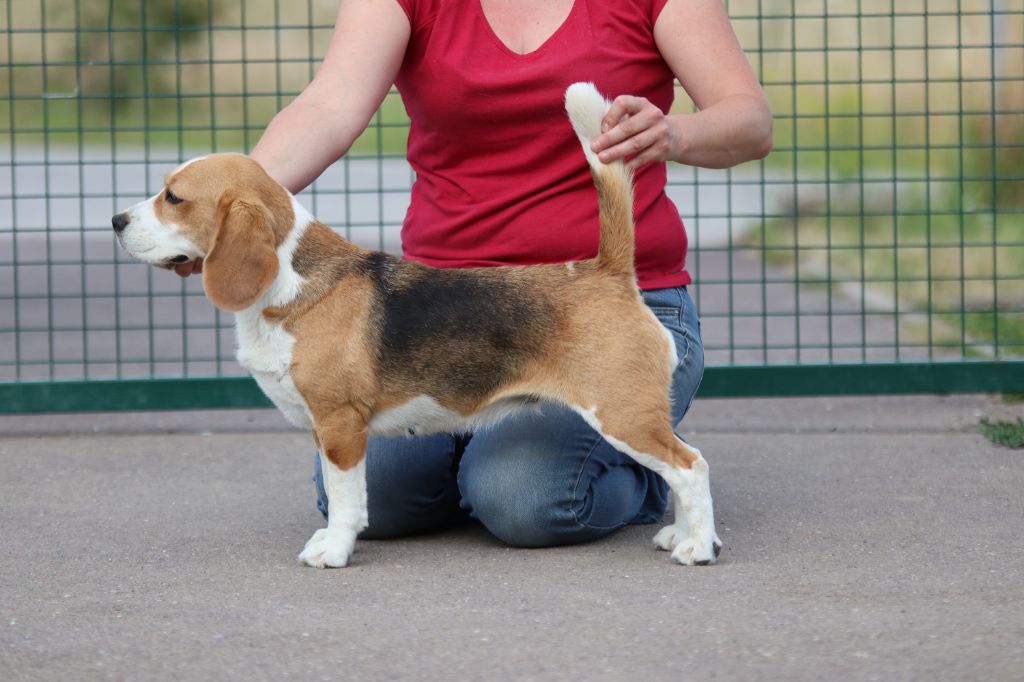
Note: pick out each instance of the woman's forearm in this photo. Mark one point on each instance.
(319, 126)
(302, 140)
(734, 130)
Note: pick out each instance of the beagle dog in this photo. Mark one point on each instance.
(349, 342)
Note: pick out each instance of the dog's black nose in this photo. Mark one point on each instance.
(120, 221)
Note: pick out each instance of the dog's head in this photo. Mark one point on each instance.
(223, 208)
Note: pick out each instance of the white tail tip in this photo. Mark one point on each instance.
(586, 107)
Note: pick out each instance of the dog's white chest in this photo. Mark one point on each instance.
(265, 349)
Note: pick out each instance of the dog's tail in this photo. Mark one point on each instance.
(586, 107)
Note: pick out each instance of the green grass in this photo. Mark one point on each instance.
(958, 279)
(209, 124)
(1007, 434)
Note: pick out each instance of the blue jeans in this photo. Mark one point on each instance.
(540, 478)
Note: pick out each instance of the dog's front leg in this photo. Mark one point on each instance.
(342, 438)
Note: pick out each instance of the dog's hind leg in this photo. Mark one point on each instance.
(691, 538)
(342, 438)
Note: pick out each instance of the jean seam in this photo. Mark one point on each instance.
(572, 502)
(678, 312)
(686, 353)
(696, 390)
(696, 387)
(685, 331)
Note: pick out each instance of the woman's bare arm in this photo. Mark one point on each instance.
(319, 126)
(734, 121)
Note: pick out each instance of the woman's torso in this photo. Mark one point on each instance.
(500, 176)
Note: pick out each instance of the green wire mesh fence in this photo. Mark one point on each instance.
(880, 247)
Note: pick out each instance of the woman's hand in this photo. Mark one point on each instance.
(636, 130)
(733, 121)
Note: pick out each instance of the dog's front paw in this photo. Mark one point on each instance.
(328, 549)
(697, 551)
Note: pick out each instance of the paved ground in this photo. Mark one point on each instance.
(864, 539)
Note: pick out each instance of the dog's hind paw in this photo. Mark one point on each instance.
(670, 536)
(326, 549)
(688, 550)
(693, 552)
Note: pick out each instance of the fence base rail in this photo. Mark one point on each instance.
(719, 382)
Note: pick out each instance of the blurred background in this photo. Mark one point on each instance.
(879, 248)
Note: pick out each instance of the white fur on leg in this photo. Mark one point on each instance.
(691, 538)
(346, 516)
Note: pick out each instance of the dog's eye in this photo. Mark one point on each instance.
(172, 198)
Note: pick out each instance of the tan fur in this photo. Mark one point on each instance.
(242, 261)
(238, 216)
(615, 201)
(598, 347)
(333, 367)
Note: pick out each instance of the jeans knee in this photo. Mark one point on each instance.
(505, 495)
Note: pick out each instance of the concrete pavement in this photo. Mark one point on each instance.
(864, 539)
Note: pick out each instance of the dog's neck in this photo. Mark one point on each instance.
(312, 260)
(323, 256)
(289, 282)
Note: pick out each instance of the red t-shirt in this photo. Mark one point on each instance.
(500, 177)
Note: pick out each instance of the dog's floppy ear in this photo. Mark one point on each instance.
(242, 262)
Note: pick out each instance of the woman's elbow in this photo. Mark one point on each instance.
(763, 140)
(764, 143)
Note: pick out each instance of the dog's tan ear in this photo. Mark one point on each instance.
(242, 262)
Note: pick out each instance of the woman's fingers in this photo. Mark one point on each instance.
(634, 129)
